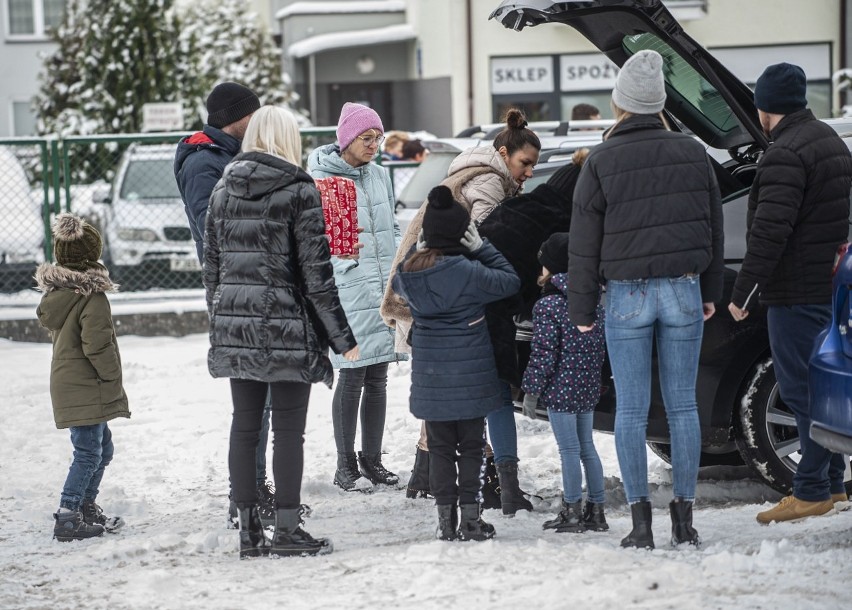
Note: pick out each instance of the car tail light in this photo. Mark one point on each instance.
(838, 256)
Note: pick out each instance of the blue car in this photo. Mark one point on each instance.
(830, 368)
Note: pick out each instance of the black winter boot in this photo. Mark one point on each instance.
(511, 497)
(266, 503)
(94, 515)
(253, 542)
(348, 477)
(593, 517)
(569, 519)
(418, 484)
(291, 540)
(72, 526)
(448, 522)
(642, 536)
(376, 473)
(233, 515)
(471, 526)
(682, 530)
(491, 485)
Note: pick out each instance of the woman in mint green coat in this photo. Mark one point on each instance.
(361, 280)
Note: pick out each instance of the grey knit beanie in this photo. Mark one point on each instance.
(639, 87)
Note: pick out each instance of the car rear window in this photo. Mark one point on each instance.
(150, 179)
(690, 87)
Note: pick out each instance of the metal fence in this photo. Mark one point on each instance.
(122, 184)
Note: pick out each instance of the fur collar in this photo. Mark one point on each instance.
(50, 277)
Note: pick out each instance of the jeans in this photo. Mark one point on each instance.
(452, 442)
(93, 451)
(792, 333)
(573, 432)
(289, 415)
(373, 401)
(502, 431)
(669, 309)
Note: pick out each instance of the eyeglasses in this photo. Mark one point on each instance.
(370, 140)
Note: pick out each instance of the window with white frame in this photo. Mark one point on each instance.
(28, 18)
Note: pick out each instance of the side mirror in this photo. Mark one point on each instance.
(101, 195)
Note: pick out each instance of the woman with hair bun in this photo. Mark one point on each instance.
(480, 178)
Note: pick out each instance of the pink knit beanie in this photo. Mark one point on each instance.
(354, 120)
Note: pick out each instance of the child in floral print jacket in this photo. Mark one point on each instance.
(564, 376)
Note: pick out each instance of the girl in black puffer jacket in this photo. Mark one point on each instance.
(274, 312)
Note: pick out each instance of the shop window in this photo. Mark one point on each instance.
(598, 99)
(534, 110)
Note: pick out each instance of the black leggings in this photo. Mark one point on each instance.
(450, 442)
(289, 413)
(373, 401)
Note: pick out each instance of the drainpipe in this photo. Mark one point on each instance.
(469, 22)
(312, 85)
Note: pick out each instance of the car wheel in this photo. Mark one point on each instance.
(726, 458)
(766, 432)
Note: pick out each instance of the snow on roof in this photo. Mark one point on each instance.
(357, 38)
(367, 6)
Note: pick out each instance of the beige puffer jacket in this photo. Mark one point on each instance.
(484, 192)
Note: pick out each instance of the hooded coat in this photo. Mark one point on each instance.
(361, 283)
(274, 308)
(85, 370)
(517, 228)
(453, 375)
(565, 365)
(199, 162)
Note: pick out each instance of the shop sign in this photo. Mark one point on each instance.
(521, 74)
(586, 72)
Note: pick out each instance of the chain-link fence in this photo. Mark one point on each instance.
(122, 184)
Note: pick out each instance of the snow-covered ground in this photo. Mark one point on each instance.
(169, 481)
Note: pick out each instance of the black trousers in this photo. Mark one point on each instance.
(289, 403)
(452, 442)
(365, 387)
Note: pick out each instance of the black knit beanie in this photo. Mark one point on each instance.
(228, 103)
(554, 253)
(781, 89)
(444, 221)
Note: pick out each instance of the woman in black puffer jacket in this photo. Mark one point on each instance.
(274, 312)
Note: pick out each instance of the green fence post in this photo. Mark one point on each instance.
(45, 208)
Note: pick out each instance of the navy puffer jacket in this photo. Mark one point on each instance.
(453, 374)
(565, 365)
(274, 309)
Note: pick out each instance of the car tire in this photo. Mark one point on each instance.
(765, 429)
(728, 458)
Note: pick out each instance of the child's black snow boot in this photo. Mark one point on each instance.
(418, 484)
(290, 540)
(71, 526)
(471, 525)
(511, 497)
(448, 522)
(682, 530)
(94, 515)
(491, 485)
(569, 519)
(593, 517)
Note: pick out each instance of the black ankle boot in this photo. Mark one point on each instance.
(569, 519)
(490, 485)
(72, 526)
(266, 503)
(448, 522)
(511, 497)
(593, 517)
(418, 484)
(348, 477)
(682, 530)
(642, 537)
(253, 542)
(471, 525)
(291, 540)
(376, 473)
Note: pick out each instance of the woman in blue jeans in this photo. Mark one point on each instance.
(647, 220)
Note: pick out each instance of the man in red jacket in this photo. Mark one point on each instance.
(798, 213)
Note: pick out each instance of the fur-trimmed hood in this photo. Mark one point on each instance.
(63, 288)
(50, 277)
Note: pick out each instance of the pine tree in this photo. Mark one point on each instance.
(221, 40)
(113, 56)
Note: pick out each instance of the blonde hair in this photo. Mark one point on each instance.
(273, 130)
(620, 114)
